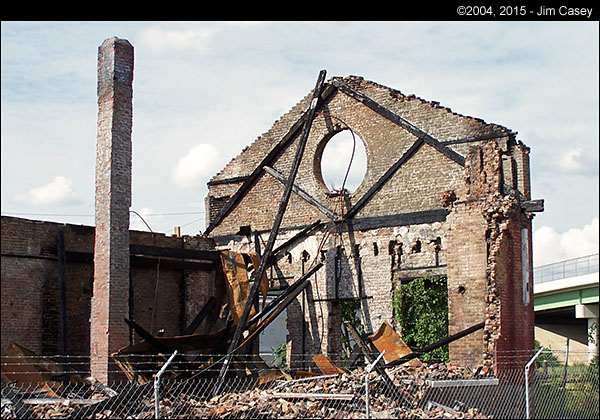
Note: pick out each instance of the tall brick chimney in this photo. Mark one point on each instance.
(110, 300)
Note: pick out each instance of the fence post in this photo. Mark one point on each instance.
(367, 374)
(564, 385)
(527, 381)
(157, 385)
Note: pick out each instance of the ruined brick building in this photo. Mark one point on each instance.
(443, 194)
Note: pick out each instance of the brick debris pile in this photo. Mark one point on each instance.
(326, 396)
(336, 396)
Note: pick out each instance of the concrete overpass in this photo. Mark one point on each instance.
(566, 305)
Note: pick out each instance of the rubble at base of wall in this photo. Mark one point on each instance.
(343, 396)
(324, 396)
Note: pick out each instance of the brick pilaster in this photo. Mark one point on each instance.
(486, 231)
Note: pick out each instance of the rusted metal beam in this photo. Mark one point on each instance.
(491, 136)
(303, 282)
(149, 338)
(368, 351)
(232, 180)
(290, 294)
(204, 260)
(326, 365)
(354, 355)
(533, 205)
(187, 254)
(171, 264)
(258, 274)
(304, 232)
(157, 345)
(386, 339)
(440, 343)
(290, 289)
(365, 347)
(301, 193)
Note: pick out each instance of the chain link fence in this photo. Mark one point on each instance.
(414, 390)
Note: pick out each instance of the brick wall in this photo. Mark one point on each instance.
(485, 266)
(467, 279)
(30, 300)
(30, 293)
(432, 217)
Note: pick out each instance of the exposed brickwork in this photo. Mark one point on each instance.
(198, 286)
(485, 273)
(30, 302)
(432, 217)
(100, 294)
(30, 309)
(110, 303)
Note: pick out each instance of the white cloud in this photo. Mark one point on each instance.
(158, 38)
(197, 166)
(550, 246)
(59, 191)
(145, 216)
(579, 161)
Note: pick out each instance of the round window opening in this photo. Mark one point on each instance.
(343, 162)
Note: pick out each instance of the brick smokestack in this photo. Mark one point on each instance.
(110, 300)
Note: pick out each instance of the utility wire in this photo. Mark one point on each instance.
(91, 215)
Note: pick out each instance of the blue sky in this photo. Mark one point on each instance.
(191, 79)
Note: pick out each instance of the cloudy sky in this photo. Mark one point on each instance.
(192, 79)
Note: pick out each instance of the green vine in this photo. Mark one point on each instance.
(421, 311)
(593, 337)
(280, 354)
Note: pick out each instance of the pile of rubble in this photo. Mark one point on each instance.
(331, 396)
(324, 396)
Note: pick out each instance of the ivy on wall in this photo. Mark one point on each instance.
(421, 310)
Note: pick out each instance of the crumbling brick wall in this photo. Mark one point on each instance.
(490, 270)
(429, 217)
(30, 292)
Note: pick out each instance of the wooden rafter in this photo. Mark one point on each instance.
(384, 178)
(301, 193)
(251, 179)
(398, 120)
(241, 326)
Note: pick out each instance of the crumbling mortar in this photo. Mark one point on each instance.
(498, 211)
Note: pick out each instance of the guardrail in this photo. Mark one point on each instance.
(565, 269)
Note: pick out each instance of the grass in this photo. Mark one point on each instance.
(575, 398)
